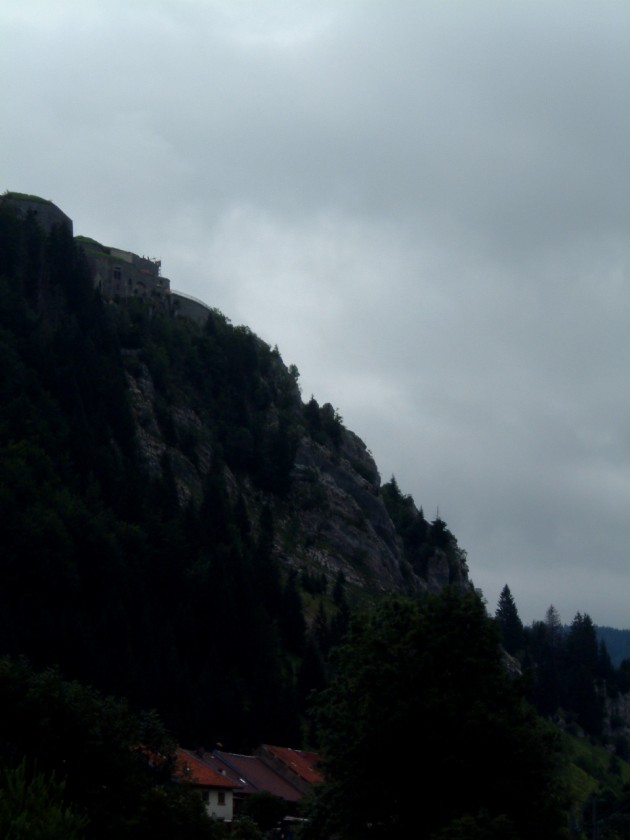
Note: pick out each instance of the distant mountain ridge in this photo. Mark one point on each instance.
(617, 643)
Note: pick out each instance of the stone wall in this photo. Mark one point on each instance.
(123, 274)
(189, 307)
(46, 213)
(117, 274)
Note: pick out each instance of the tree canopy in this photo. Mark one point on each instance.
(420, 701)
(76, 763)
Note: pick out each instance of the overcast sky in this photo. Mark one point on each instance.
(424, 203)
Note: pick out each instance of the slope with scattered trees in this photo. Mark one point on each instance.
(569, 678)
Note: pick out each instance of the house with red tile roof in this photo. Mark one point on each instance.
(217, 788)
(255, 776)
(284, 772)
(299, 767)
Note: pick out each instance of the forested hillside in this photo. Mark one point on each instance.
(181, 529)
(188, 544)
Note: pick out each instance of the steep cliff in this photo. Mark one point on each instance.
(329, 510)
(205, 393)
(180, 527)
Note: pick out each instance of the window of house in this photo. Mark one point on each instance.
(221, 797)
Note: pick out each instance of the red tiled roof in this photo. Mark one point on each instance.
(189, 767)
(215, 763)
(302, 763)
(257, 775)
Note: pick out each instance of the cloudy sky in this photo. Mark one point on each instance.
(424, 203)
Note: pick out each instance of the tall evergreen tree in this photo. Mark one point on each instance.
(543, 661)
(580, 690)
(509, 622)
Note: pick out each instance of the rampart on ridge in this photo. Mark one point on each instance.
(117, 274)
(45, 213)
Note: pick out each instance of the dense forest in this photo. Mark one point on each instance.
(150, 604)
(570, 672)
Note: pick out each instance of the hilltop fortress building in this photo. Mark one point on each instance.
(121, 274)
(46, 214)
(117, 274)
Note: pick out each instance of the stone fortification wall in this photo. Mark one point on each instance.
(123, 274)
(45, 212)
(116, 273)
(188, 307)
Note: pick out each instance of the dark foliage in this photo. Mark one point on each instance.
(510, 624)
(102, 572)
(324, 424)
(108, 579)
(421, 539)
(569, 678)
(420, 700)
(568, 672)
(104, 771)
(265, 809)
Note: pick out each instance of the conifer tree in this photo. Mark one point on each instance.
(579, 688)
(509, 622)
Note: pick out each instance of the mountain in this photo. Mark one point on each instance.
(617, 643)
(182, 528)
(184, 543)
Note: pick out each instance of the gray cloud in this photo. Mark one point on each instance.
(425, 206)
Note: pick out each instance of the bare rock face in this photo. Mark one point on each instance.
(333, 517)
(187, 468)
(341, 518)
(617, 717)
(337, 521)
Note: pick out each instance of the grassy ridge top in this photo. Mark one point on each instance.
(26, 197)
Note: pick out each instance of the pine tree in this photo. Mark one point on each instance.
(509, 622)
(544, 658)
(580, 692)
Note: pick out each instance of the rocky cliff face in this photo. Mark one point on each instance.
(337, 507)
(333, 516)
(206, 396)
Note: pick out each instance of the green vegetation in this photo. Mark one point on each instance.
(124, 587)
(419, 690)
(32, 808)
(570, 679)
(422, 540)
(103, 573)
(569, 675)
(76, 763)
(599, 788)
(93, 245)
(26, 197)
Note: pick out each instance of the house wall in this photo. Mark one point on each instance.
(216, 810)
